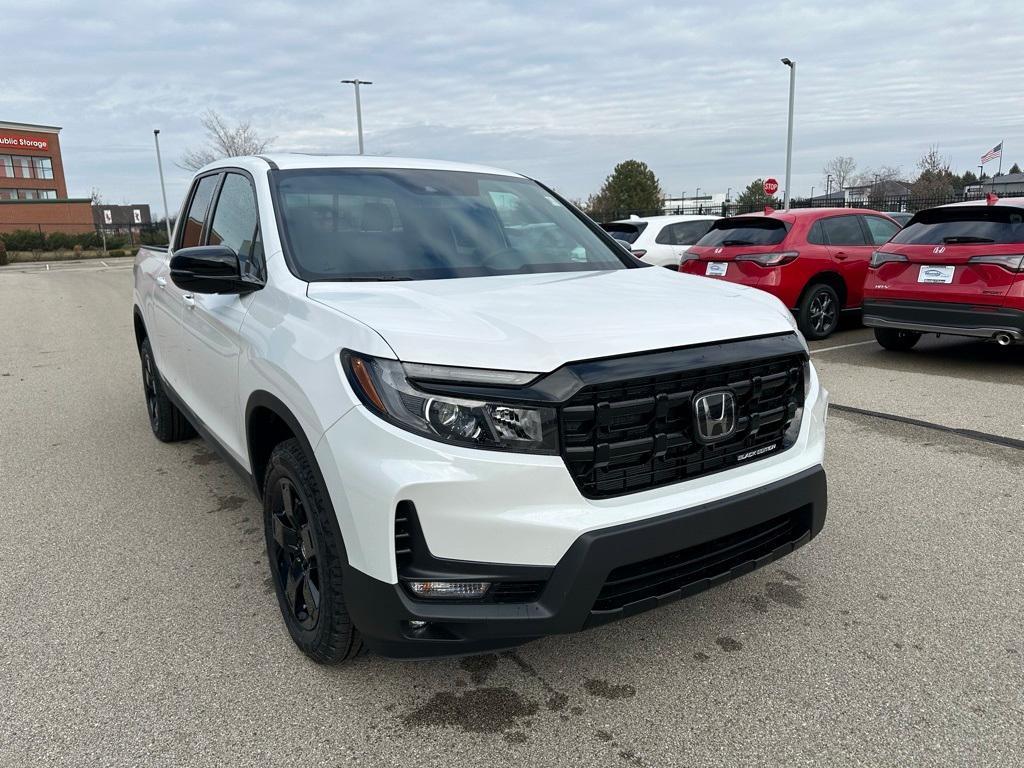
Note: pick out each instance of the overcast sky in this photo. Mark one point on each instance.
(559, 91)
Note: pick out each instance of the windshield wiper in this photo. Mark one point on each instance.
(737, 242)
(371, 278)
(967, 239)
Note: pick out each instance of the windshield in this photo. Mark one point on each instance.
(627, 233)
(969, 224)
(401, 224)
(745, 231)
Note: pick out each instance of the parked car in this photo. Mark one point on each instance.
(813, 259)
(660, 240)
(957, 269)
(471, 417)
(900, 217)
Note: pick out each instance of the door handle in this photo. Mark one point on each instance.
(841, 255)
(161, 282)
(190, 300)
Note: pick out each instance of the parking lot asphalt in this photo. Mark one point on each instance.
(140, 627)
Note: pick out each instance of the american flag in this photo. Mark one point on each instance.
(992, 154)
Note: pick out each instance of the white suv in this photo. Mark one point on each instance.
(471, 417)
(660, 240)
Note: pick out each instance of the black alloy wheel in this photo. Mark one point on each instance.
(818, 315)
(294, 554)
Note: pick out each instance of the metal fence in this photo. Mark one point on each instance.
(886, 203)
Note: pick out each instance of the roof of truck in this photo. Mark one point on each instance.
(294, 160)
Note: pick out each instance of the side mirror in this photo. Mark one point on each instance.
(209, 269)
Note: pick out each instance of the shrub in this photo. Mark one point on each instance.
(59, 241)
(116, 252)
(24, 240)
(3, 253)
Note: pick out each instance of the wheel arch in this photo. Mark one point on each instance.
(141, 334)
(830, 278)
(268, 422)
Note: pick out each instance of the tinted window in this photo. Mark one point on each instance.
(627, 233)
(988, 224)
(193, 231)
(880, 229)
(815, 236)
(843, 230)
(683, 232)
(380, 224)
(235, 223)
(745, 231)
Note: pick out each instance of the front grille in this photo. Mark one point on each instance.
(682, 572)
(630, 435)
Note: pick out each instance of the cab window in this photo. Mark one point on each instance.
(236, 223)
(195, 219)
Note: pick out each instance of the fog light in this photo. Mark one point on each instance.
(450, 590)
(417, 625)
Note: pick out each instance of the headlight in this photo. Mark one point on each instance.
(382, 385)
(878, 258)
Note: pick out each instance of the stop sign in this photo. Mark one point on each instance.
(771, 186)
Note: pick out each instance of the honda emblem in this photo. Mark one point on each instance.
(715, 415)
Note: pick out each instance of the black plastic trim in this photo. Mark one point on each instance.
(382, 611)
(946, 317)
(261, 398)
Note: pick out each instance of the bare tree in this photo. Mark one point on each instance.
(223, 140)
(882, 173)
(841, 169)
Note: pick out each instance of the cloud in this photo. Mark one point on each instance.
(558, 91)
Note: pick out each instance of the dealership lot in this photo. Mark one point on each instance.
(141, 627)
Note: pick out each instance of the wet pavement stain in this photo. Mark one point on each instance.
(758, 602)
(479, 667)
(202, 458)
(603, 735)
(229, 503)
(701, 657)
(557, 702)
(606, 690)
(785, 594)
(482, 710)
(514, 737)
(728, 644)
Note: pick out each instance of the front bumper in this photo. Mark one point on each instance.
(605, 575)
(945, 317)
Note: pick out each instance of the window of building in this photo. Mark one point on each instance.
(8, 194)
(6, 167)
(47, 194)
(43, 167)
(27, 194)
(22, 167)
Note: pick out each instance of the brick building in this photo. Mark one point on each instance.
(33, 192)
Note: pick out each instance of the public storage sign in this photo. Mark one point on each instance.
(23, 142)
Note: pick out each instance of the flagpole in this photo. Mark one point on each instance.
(1001, 148)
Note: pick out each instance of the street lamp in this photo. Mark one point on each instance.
(789, 137)
(163, 189)
(359, 110)
(828, 185)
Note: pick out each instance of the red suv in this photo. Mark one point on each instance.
(957, 269)
(813, 259)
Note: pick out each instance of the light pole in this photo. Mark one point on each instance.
(828, 185)
(163, 189)
(359, 109)
(789, 136)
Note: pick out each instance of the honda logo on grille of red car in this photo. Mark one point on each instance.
(715, 415)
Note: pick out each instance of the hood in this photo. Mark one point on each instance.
(539, 322)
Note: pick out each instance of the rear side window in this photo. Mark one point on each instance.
(235, 223)
(192, 234)
(969, 224)
(627, 233)
(881, 230)
(745, 231)
(683, 232)
(843, 230)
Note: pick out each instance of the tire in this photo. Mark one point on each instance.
(306, 555)
(818, 313)
(896, 339)
(167, 422)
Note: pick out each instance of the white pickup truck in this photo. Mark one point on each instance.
(472, 417)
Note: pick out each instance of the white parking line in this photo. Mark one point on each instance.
(104, 264)
(843, 346)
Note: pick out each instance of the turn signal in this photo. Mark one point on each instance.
(449, 590)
